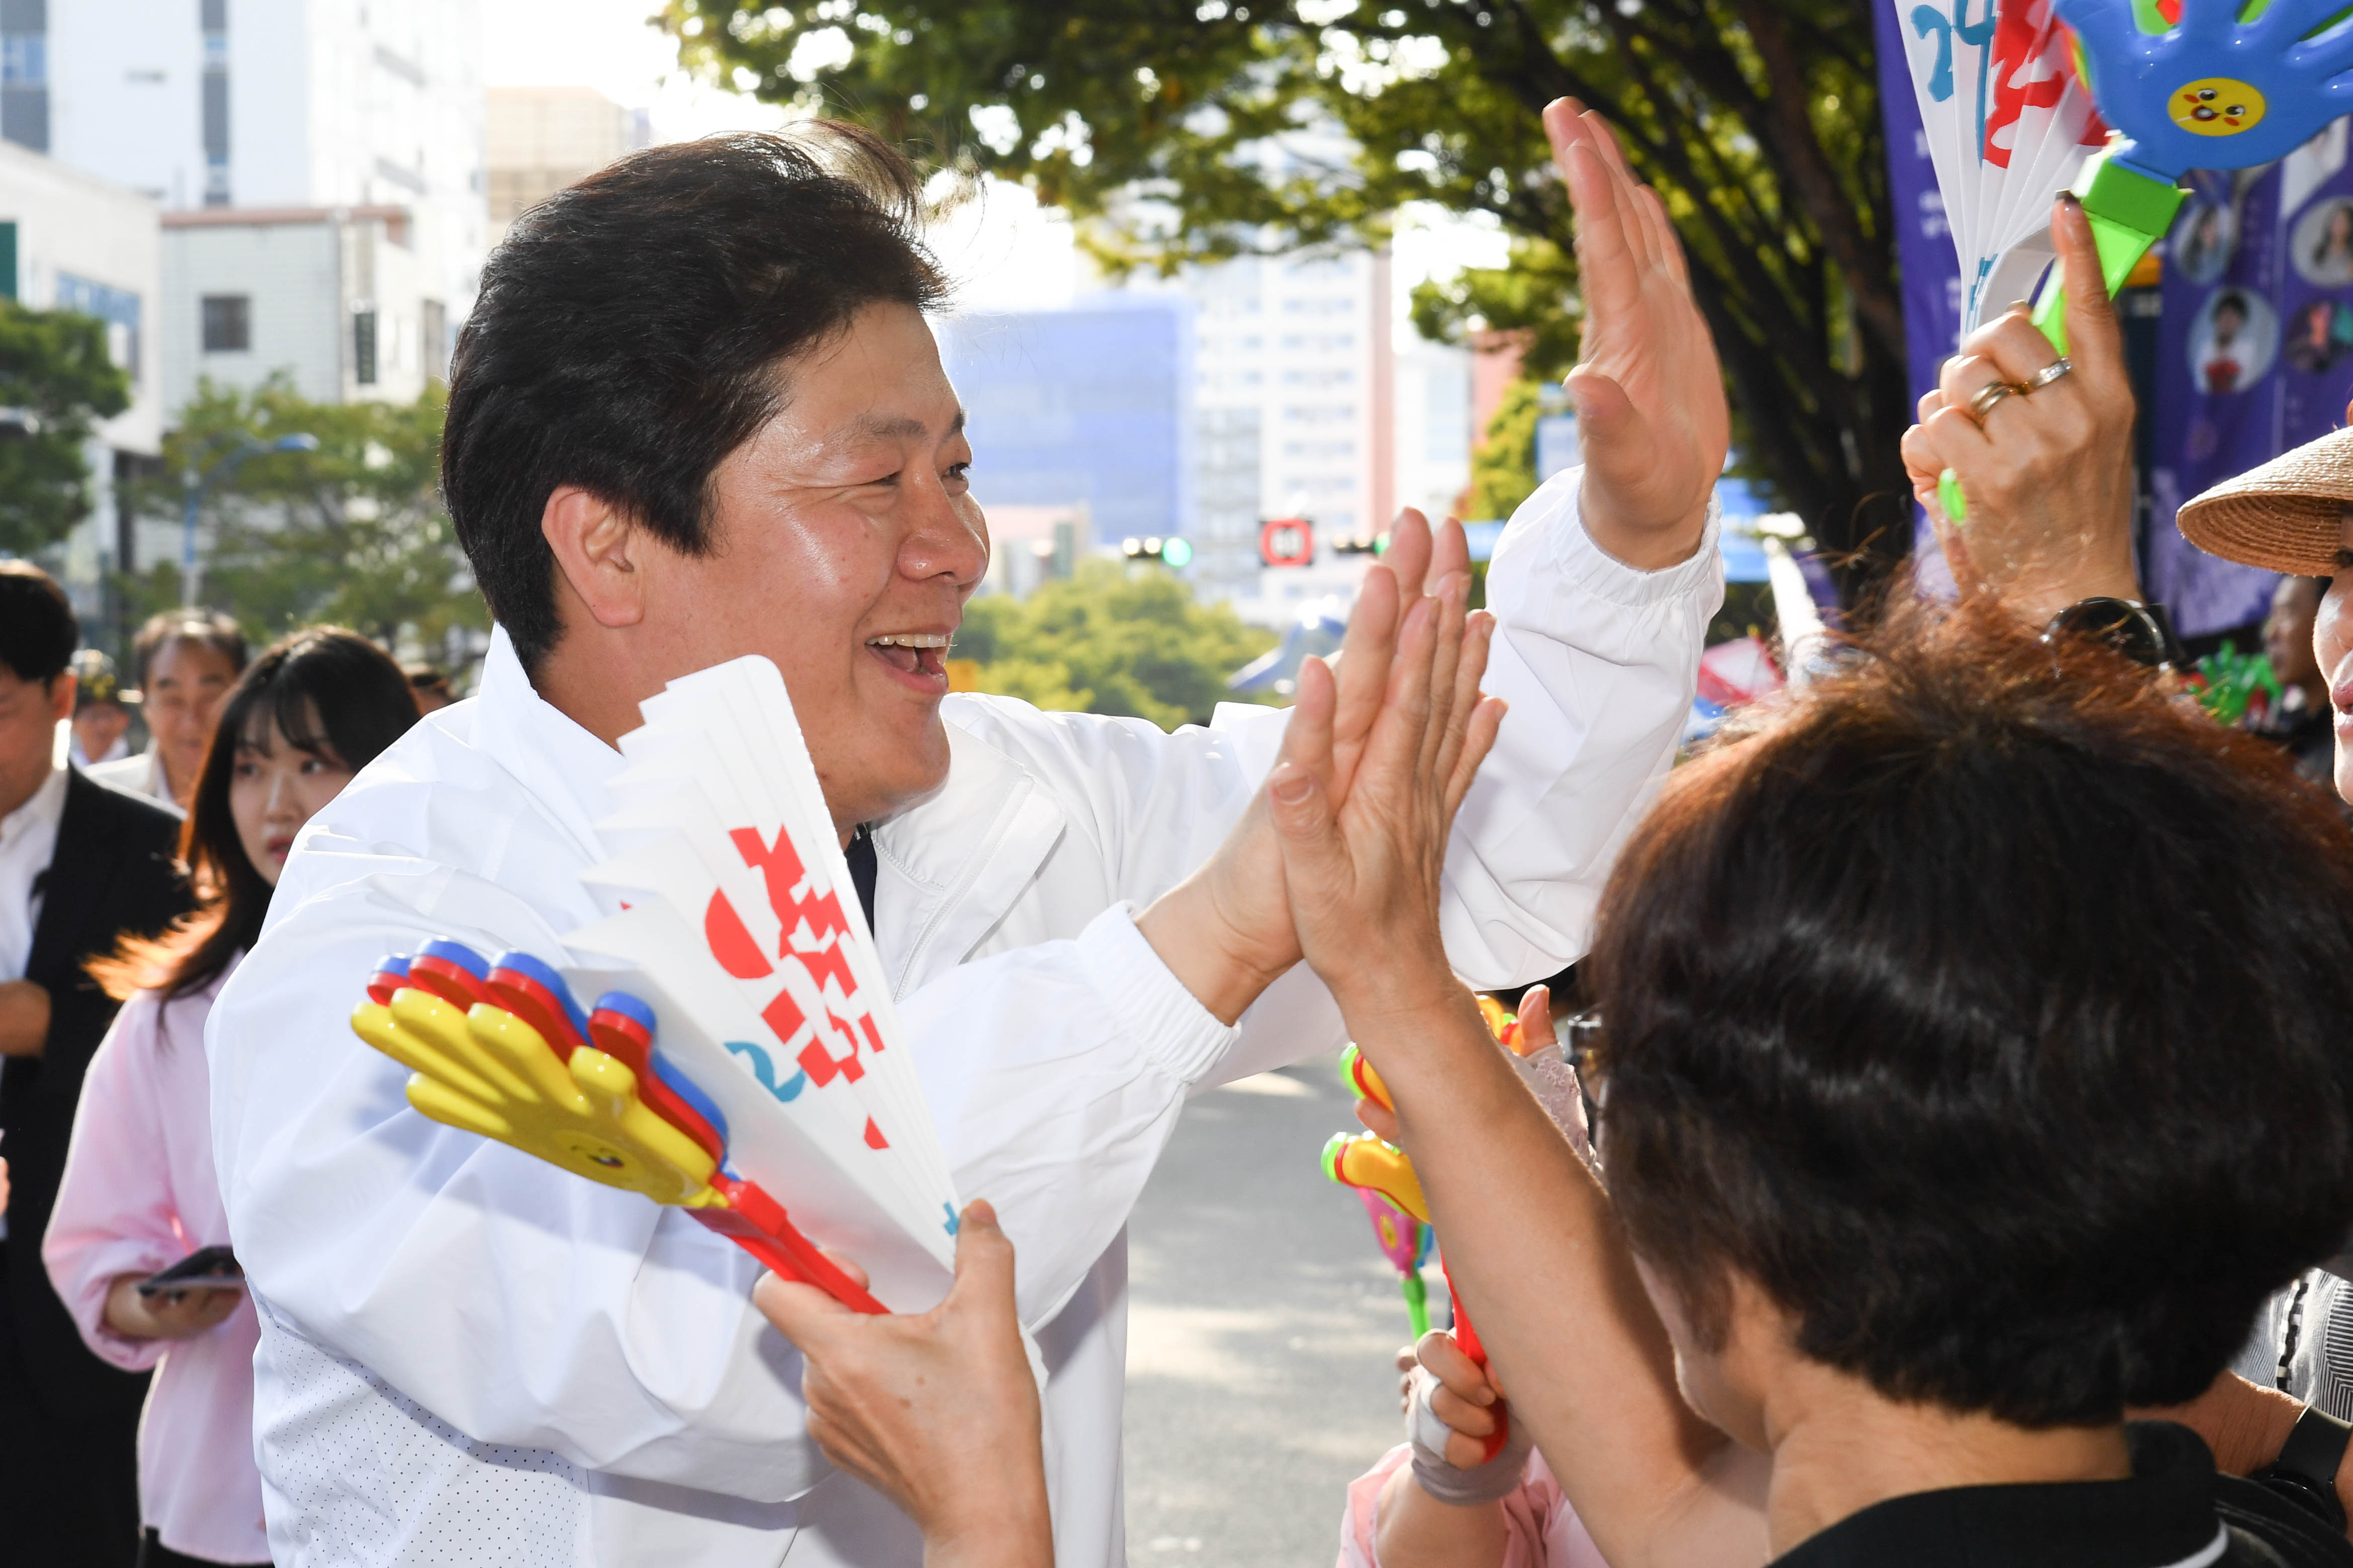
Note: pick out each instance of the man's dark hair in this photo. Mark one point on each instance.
(208, 628)
(37, 629)
(1988, 1009)
(628, 330)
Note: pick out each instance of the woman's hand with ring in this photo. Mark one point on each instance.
(2041, 446)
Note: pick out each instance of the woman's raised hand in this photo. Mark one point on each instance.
(1362, 870)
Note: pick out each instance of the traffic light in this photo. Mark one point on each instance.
(1167, 552)
(1362, 544)
(1287, 542)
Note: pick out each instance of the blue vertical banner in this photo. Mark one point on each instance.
(1930, 267)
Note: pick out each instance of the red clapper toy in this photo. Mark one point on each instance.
(500, 1048)
(1369, 1163)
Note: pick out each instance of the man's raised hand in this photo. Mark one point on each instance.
(1648, 389)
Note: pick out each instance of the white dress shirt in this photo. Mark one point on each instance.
(139, 775)
(28, 842)
(471, 1357)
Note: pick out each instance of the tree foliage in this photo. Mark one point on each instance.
(353, 534)
(57, 382)
(1191, 129)
(1504, 464)
(1110, 640)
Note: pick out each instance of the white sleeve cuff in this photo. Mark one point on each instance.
(1568, 549)
(1179, 1036)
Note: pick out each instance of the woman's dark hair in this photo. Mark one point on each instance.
(1989, 1009)
(327, 691)
(628, 330)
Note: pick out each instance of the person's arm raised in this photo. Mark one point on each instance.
(1649, 391)
(2047, 474)
(1531, 1240)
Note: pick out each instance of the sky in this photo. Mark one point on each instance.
(1005, 254)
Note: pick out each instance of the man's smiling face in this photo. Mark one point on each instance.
(844, 542)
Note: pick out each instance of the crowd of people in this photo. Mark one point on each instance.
(1965, 1169)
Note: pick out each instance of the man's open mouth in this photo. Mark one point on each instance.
(913, 653)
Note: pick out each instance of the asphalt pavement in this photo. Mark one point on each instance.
(1261, 1324)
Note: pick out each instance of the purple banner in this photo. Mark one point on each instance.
(1923, 253)
(2218, 384)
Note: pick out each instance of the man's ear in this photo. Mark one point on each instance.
(62, 688)
(598, 546)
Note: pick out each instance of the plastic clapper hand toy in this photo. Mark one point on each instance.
(2229, 85)
(500, 1048)
(1381, 1170)
(487, 1071)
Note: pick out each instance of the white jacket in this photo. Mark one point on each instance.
(471, 1357)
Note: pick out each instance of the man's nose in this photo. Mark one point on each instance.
(946, 541)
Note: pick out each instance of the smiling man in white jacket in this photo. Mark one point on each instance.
(697, 413)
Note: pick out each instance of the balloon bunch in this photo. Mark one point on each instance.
(501, 1047)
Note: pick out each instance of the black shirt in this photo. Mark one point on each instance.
(2175, 1512)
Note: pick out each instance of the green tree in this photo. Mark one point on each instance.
(353, 533)
(1503, 464)
(1110, 640)
(1190, 129)
(57, 382)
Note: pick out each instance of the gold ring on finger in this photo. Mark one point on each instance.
(2059, 367)
(1982, 402)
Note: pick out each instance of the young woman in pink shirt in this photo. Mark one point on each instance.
(140, 1193)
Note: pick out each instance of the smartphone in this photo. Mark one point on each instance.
(206, 1269)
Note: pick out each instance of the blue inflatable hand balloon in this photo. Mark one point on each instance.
(2214, 90)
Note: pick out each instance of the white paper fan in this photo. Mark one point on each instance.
(729, 896)
(2008, 127)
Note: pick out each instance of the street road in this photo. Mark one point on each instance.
(1263, 1321)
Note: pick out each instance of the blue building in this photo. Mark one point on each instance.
(1092, 407)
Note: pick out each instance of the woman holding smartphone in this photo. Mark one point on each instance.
(139, 1194)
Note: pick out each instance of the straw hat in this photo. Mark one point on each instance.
(2287, 516)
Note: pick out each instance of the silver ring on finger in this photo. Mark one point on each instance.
(1982, 402)
(2062, 366)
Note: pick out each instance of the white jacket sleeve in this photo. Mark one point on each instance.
(527, 1307)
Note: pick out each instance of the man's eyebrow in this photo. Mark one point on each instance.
(902, 427)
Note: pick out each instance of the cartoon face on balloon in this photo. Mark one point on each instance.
(2217, 105)
(2285, 70)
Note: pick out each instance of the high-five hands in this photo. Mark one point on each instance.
(1362, 870)
(1226, 931)
(1647, 387)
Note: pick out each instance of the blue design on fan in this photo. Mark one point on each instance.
(756, 1059)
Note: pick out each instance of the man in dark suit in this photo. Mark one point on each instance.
(79, 865)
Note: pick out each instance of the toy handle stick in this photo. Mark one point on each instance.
(758, 1224)
(2129, 210)
(1466, 1339)
(1417, 1303)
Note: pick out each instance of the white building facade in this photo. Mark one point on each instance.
(69, 241)
(261, 108)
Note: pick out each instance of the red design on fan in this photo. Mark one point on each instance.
(784, 1017)
(779, 865)
(822, 1065)
(874, 1138)
(730, 942)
